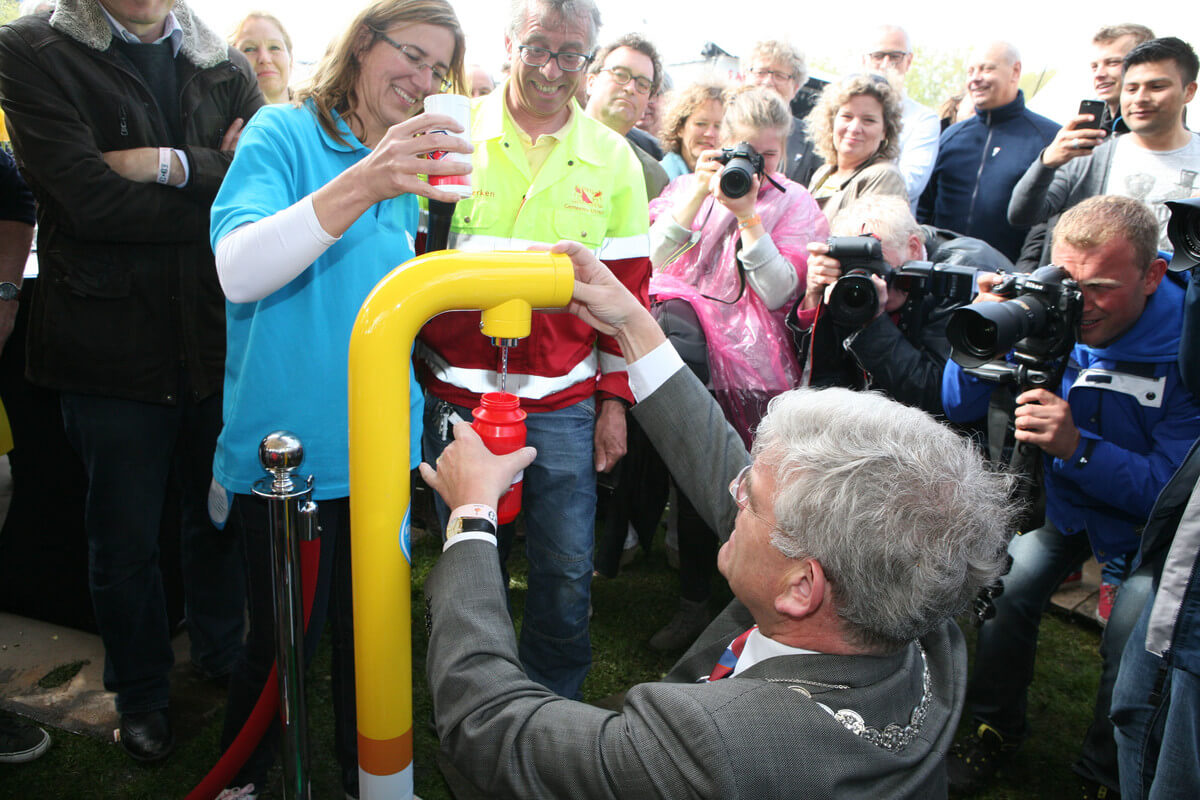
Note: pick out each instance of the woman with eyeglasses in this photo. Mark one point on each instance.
(263, 40)
(727, 268)
(691, 125)
(319, 204)
(856, 128)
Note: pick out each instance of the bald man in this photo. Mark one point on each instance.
(889, 51)
(981, 158)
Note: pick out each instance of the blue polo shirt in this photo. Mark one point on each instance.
(287, 354)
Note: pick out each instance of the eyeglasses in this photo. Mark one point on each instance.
(779, 76)
(540, 57)
(416, 57)
(740, 492)
(895, 56)
(623, 76)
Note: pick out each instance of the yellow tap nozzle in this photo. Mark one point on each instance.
(509, 320)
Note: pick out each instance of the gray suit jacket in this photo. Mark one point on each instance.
(768, 733)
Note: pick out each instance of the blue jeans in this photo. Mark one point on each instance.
(1007, 646)
(559, 504)
(1157, 726)
(132, 452)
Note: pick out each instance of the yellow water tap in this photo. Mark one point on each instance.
(506, 287)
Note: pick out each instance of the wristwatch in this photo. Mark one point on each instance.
(471, 518)
(9, 290)
(469, 525)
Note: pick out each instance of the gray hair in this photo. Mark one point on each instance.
(776, 51)
(904, 516)
(550, 9)
(884, 215)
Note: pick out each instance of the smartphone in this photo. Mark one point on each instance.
(1093, 107)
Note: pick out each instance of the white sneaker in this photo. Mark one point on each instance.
(239, 793)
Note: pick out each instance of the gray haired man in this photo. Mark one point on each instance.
(836, 671)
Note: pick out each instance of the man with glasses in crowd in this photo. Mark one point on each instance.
(545, 171)
(890, 53)
(623, 77)
(780, 67)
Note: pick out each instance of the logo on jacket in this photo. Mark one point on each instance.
(588, 200)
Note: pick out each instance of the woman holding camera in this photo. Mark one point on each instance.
(739, 260)
(856, 129)
(729, 257)
(691, 125)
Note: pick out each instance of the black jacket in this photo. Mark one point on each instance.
(127, 294)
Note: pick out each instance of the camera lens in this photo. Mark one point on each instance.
(980, 332)
(853, 299)
(737, 178)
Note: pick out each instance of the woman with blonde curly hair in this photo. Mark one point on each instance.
(856, 129)
(691, 125)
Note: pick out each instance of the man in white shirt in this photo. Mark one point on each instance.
(838, 668)
(1158, 160)
(890, 52)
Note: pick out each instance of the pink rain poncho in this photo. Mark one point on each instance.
(750, 352)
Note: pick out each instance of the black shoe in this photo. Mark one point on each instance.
(974, 762)
(146, 735)
(1094, 790)
(21, 741)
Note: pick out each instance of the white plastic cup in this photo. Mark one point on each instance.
(458, 107)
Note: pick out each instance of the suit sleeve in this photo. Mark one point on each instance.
(513, 738)
(59, 153)
(697, 444)
(626, 251)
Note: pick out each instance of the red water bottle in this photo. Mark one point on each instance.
(500, 422)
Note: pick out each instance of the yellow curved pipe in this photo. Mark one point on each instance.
(387, 324)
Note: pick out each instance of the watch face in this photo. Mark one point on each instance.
(9, 290)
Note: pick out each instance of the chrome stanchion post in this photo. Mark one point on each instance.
(293, 517)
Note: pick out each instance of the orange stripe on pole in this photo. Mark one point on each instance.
(385, 756)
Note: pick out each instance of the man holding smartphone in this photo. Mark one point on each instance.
(1158, 160)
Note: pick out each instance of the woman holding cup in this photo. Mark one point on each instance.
(319, 204)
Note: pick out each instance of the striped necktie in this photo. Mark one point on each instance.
(729, 658)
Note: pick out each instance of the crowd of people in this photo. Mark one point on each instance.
(199, 212)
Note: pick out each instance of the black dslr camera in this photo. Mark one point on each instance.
(853, 301)
(742, 164)
(1038, 324)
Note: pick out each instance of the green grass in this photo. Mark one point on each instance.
(627, 612)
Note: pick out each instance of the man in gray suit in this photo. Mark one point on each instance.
(859, 526)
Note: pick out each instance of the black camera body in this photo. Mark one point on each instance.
(742, 163)
(1039, 324)
(853, 300)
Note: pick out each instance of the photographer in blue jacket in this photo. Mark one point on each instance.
(1118, 426)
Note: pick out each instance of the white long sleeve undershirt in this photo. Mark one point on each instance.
(263, 256)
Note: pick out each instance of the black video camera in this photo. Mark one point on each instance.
(1038, 324)
(742, 163)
